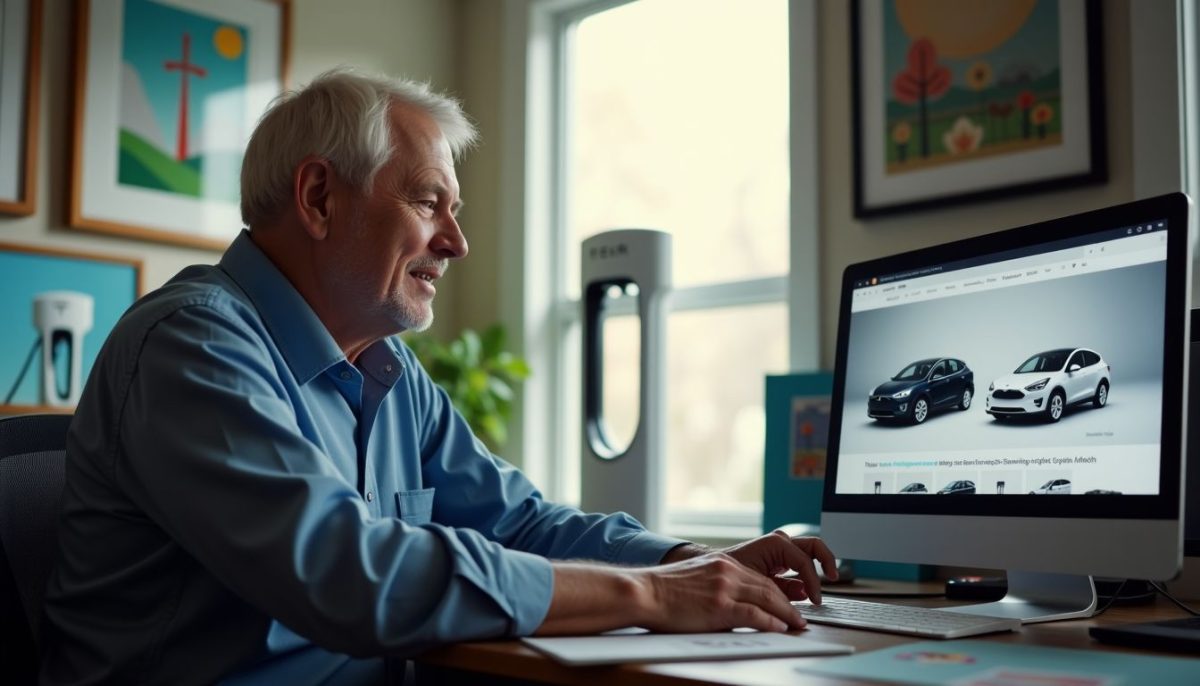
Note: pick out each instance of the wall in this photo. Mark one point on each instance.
(411, 37)
(476, 282)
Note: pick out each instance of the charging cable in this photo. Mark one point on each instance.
(24, 368)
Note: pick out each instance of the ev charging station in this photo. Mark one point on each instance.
(62, 318)
(618, 266)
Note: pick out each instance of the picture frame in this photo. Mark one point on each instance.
(42, 285)
(167, 93)
(944, 115)
(20, 96)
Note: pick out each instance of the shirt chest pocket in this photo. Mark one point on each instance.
(415, 507)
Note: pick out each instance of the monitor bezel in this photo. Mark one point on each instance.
(1191, 499)
(1165, 505)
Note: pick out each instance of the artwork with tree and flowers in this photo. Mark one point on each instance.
(960, 101)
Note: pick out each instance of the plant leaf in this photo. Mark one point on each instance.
(500, 389)
(493, 341)
(471, 348)
(478, 375)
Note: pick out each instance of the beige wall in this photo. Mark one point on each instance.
(475, 284)
(412, 37)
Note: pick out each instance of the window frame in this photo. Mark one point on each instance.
(534, 202)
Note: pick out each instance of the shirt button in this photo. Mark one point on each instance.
(345, 376)
(387, 368)
(370, 496)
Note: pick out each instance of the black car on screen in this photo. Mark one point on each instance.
(921, 388)
(960, 487)
(915, 487)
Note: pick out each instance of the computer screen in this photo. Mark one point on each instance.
(1016, 400)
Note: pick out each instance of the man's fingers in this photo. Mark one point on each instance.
(749, 615)
(817, 548)
(797, 558)
(764, 593)
(812, 584)
(814, 548)
(794, 589)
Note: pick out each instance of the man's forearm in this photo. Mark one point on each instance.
(590, 598)
(685, 551)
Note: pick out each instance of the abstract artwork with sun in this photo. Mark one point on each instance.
(969, 80)
(182, 101)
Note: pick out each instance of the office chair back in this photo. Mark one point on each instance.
(32, 459)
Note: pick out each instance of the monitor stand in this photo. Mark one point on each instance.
(1036, 597)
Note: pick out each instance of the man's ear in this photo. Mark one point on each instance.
(313, 195)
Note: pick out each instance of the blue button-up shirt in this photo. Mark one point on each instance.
(242, 504)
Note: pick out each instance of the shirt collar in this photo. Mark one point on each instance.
(302, 338)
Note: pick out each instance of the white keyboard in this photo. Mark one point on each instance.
(902, 619)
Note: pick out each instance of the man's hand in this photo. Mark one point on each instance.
(774, 554)
(693, 590)
(714, 592)
(777, 553)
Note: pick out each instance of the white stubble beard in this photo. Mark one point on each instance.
(407, 314)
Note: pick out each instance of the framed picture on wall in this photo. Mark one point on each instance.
(956, 102)
(20, 79)
(58, 307)
(167, 93)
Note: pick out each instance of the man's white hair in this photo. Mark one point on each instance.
(342, 116)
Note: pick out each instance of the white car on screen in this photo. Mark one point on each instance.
(1053, 486)
(1046, 384)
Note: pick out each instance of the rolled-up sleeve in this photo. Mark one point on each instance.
(212, 452)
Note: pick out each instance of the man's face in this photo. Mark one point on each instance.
(391, 246)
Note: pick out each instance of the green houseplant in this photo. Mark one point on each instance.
(479, 375)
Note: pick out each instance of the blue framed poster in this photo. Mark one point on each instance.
(57, 307)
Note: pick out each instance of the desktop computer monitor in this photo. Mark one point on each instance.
(1016, 401)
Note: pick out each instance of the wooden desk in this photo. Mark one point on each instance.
(512, 660)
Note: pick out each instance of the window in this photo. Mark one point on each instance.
(674, 115)
(660, 134)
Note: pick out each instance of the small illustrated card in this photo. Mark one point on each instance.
(797, 408)
(810, 435)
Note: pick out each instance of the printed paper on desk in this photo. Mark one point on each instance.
(645, 647)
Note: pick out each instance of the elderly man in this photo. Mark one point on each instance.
(264, 486)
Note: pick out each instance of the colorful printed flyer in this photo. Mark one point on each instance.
(988, 663)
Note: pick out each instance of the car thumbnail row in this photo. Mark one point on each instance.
(1043, 386)
(967, 487)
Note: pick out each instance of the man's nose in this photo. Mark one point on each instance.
(450, 241)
